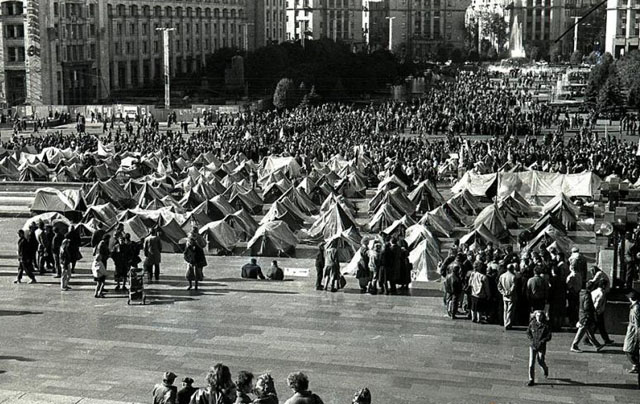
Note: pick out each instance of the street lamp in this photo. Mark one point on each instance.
(167, 72)
(390, 32)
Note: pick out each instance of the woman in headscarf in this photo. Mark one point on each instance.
(194, 257)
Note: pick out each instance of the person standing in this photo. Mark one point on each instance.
(507, 288)
(574, 285)
(375, 254)
(153, 254)
(578, 263)
(319, 266)
(631, 346)
(586, 321)
(599, 298)
(537, 290)
(557, 298)
(195, 258)
(41, 250)
(74, 238)
(65, 262)
(56, 243)
(299, 383)
(99, 272)
(165, 392)
(331, 269)
(539, 333)
(25, 263)
(452, 290)
(363, 275)
(480, 292)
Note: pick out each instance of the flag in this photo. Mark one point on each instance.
(281, 136)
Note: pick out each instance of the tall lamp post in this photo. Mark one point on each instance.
(390, 32)
(167, 70)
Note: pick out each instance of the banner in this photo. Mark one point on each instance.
(33, 49)
(167, 91)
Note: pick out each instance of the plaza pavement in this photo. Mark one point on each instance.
(59, 347)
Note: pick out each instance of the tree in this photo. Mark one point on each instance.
(628, 68)
(598, 76)
(495, 27)
(609, 96)
(284, 96)
(576, 58)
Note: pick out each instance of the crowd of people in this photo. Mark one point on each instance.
(220, 388)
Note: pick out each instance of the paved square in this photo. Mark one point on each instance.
(71, 348)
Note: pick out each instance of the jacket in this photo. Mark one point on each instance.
(184, 395)
(251, 271)
(507, 286)
(632, 338)
(599, 300)
(153, 249)
(479, 285)
(164, 394)
(587, 313)
(537, 288)
(452, 284)
(538, 333)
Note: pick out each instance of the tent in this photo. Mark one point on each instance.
(530, 183)
(352, 186)
(479, 238)
(279, 212)
(220, 236)
(243, 224)
(548, 237)
(273, 239)
(272, 192)
(147, 194)
(52, 200)
(516, 203)
(439, 222)
(109, 191)
(424, 259)
(170, 236)
(561, 208)
(222, 204)
(105, 213)
(399, 226)
(347, 205)
(391, 182)
(55, 219)
(383, 218)
(396, 197)
(315, 192)
(426, 197)
(9, 169)
(243, 198)
(416, 233)
(301, 200)
(466, 202)
(33, 172)
(190, 200)
(346, 242)
(136, 228)
(288, 165)
(494, 221)
(333, 221)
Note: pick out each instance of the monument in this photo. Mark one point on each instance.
(515, 42)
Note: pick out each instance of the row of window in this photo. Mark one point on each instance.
(168, 12)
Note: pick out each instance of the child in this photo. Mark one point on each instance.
(539, 334)
(99, 272)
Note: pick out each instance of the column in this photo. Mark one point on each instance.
(542, 20)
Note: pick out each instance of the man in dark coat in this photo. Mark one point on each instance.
(25, 261)
(319, 266)
(586, 321)
(389, 267)
(252, 270)
(165, 392)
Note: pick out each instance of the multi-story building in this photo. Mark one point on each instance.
(418, 27)
(623, 26)
(544, 21)
(340, 20)
(80, 51)
(267, 18)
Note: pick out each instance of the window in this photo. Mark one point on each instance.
(55, 9)
(132, 29)
(92, 10)
(155, 47)
(92, 30)
(16, 54)
(92, 51)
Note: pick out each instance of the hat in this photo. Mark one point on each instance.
(633, 294)
(187, 380)
(169, 376)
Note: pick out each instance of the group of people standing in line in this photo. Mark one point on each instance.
(221, 389)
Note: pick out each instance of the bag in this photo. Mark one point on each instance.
(342, 282)
(97, 269)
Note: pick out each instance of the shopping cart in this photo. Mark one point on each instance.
(136, 287)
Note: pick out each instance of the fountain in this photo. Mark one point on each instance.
(515, 42)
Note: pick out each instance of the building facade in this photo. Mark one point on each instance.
(623, 26)
(544, 21)
(79, 51)
(418, 27)
(340, 20)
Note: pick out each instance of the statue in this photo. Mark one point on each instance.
(515, 42)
